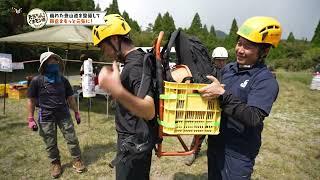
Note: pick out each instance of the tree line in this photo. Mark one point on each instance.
(291, 54)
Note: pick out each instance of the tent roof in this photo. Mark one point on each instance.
(67, 37)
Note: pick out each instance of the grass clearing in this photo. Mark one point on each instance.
(290, 147)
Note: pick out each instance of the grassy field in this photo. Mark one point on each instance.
(290, 148)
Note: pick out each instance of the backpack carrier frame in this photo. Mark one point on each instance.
(159, 148)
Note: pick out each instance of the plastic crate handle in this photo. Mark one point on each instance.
(177, 96)
(165, 124)
(173, 125)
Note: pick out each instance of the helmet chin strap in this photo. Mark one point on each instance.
(119, 54)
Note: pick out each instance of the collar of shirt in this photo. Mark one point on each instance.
(130, 55)
(251, 71)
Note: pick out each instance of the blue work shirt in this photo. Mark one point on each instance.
(255, 87)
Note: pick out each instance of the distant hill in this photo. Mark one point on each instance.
(221, 34)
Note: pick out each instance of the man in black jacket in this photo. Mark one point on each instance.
(133, 113)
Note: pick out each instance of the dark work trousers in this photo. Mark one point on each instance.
(222, 166)
(137, 168)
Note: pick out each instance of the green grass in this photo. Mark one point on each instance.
(295, 77)
(291, 137)
(290, 147)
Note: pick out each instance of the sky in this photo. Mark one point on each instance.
(297, 16)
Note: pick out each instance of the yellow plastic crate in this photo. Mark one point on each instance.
(19, 93)
(2, 89)
(186, 112)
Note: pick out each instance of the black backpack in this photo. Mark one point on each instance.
(191, 52)
(136, 145)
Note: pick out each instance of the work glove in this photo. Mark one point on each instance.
(32, 124)
(77, 117)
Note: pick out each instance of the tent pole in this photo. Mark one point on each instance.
(4, 94)
(65, 63)
(89, 109)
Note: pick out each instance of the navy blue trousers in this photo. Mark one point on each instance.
(222, 166)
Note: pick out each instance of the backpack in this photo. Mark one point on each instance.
(189, 51)
(152, 76)
(133, 146)
(192, 53)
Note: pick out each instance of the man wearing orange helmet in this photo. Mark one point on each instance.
(247, 98)
(133, 113)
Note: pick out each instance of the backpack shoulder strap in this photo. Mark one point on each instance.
(167, 48)
(146, 78)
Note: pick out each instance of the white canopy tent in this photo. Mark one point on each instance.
(66, 37)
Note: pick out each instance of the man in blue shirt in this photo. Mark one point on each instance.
(247, 98)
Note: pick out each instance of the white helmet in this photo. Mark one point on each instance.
(220, 52)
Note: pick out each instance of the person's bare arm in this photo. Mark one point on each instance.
(143, 108)
(109, 81)
(31, 103)
(72, 103)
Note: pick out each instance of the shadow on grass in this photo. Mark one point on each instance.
(69, 165)
(66, 165)
(12, 126)
(185, 176)
(92, 153)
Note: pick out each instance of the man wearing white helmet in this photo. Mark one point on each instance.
(219, 57)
